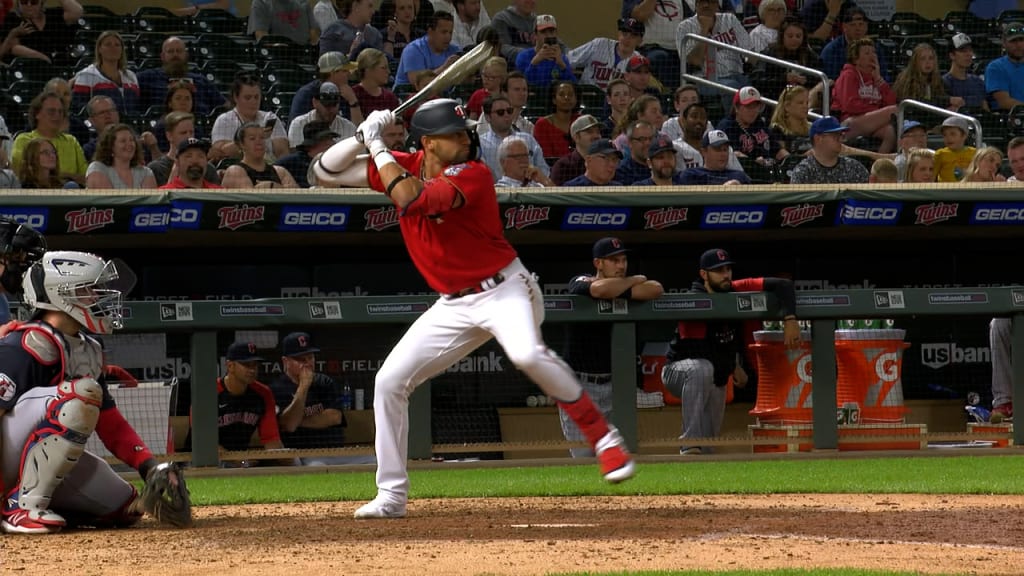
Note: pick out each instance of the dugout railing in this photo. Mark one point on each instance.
(203, 319)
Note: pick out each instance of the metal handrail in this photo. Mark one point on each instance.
(936, 110)
(825, 96)
(725, 88)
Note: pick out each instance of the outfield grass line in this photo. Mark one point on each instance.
(871, 541)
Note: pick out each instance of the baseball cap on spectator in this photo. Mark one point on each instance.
(853, 11)
(714, 139)
(715, 258)
(961, 41)
(604, 147)
(746, 95)
(1013, 30)
(334, 61)
(328, 94)
(631, 25)
(637, 62)
(187, 143)
(545, 21)
(826, 125)
(909, 125)
(582, 123)
(660, 143)
(316, 132)
(954, 122)
(297, 344)
(606, 247)
(242, 352)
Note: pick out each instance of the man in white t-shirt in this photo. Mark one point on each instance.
(661, 18)
(714, 64)
(604, 59)
(325, 109)
(470, 17)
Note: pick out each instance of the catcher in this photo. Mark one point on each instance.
(51, 402)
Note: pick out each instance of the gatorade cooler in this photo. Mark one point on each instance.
(784, 380)
(869, 366)
(652, 359)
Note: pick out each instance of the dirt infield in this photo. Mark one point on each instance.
(541, 535)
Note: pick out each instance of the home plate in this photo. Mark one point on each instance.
(552, 525)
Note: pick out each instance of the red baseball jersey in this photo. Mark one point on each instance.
(464, 246)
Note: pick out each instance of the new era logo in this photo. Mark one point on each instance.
(176, 311)
(752, 303)
(325, 310)
(1018, 297)
(889, 299)
(168, 312)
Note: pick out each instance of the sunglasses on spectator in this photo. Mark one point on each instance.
(501, 112)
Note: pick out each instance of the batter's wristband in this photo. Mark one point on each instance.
(380, 153)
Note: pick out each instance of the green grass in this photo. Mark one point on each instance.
(952, 475)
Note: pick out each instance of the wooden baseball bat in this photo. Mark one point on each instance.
(466, 65)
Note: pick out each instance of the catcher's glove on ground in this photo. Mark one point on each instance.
(165, 496)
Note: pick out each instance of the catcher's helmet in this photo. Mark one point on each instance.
(79, 284)
(20, 247)
(441, 116)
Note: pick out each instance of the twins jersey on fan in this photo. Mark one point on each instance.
(464, 246)
(727, 30)
(600, 61)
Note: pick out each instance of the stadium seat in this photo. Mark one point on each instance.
(98, 10)
(591, 99)
(101, 22)
(34, 70)
(158, 19)
(272, 47)
(217, 21)
(22, 92)
(148, 45)
(910, 24)
(283, 79)
(1010, 16)
(964, 21)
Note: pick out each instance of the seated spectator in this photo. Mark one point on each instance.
(325, 109)
(959, 81)
(246, 96)
(400, 30)
(646, 108)
(352, 32)
(518, 91)
(499, 115)
(791, 129)
(820, 17)
(548, 58)
(634, 167)
(836, 53)
(470, 17)
(102, 112)
(920, 167)
(108, 76)
(517, 171)
(325, 13)
(688, 148)
(825, 165)
(747, 130)
(603, 59)
(333, 67)
(863, 99)
(638, 77)
(921, 80)
(552, 131)
(253, 170)
(309, 402)
(39, 167)
(791, 46)
(883, 171)
(1015, 152)
(317, 137)
(619, 98)
(952, 160)
(155, 83)
(714, 170)
(492, 76)
(424, 10)
(683, 97)
(771, 13)
(72, 124)
(245, 405)
(46, 117)
(516, 27)
(585, 130)
(660, 20)
(721, 66)
(601, 161)
(191, 166)
(912, 136)
(118, 162)
(661, 159)
(433, 52)
(1004, 79)
(180, 127)
(292, 19)
(373, 74)
(178, 99)
(41, 34)
(984, 167)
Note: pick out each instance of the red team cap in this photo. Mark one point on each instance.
(746, 95)
(638, 62)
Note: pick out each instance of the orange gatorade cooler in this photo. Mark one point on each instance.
(783, 379)
(652, 359)
(869, 366)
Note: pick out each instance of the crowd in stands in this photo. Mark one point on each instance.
(613, 111)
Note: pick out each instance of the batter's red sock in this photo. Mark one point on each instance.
(587, 417)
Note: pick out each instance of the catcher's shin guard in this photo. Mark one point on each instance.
(51, 452)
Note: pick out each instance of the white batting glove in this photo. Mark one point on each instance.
(371, 128)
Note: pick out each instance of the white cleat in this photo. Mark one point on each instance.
(380, 507)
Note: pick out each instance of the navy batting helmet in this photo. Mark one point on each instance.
(441, 116)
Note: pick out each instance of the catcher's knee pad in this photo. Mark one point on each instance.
(58, 441)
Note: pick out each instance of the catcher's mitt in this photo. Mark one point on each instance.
(165, 496)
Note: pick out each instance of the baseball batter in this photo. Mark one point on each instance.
(50, 403)
(453, 232)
